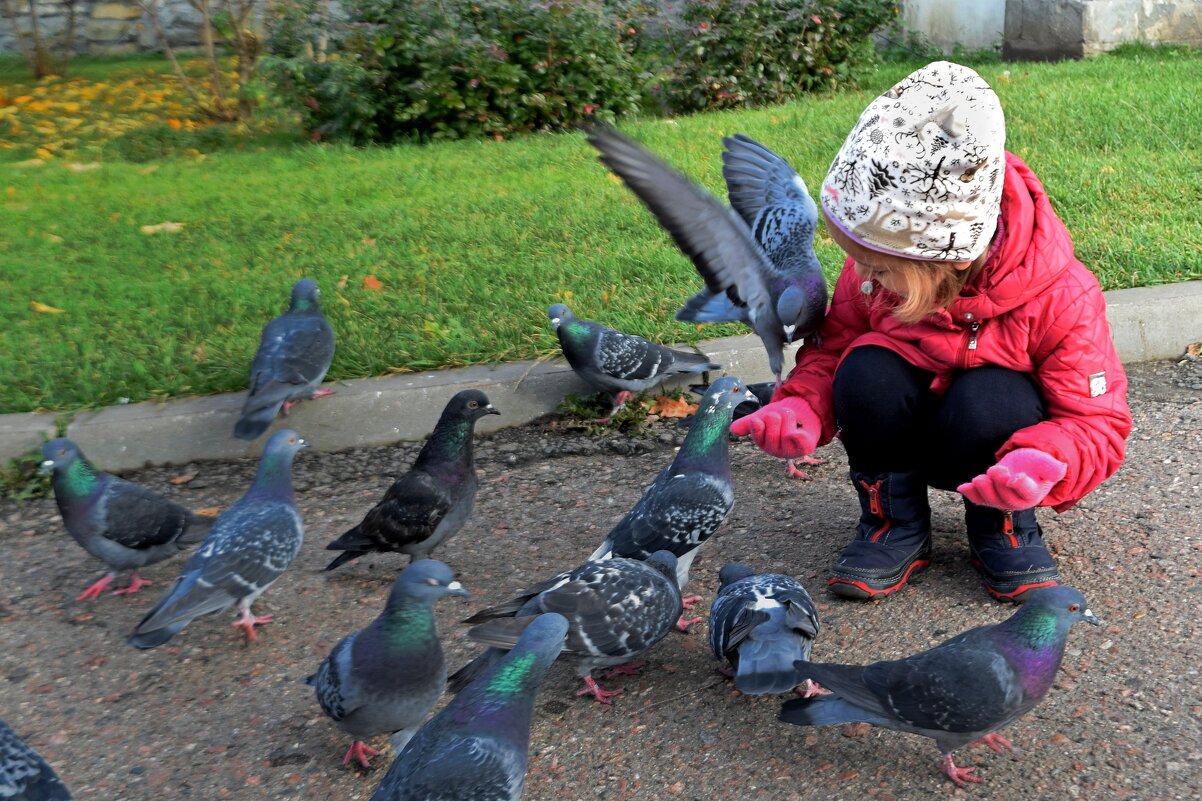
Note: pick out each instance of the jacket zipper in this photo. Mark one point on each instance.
(970, 344)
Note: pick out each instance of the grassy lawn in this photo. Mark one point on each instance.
(468, 242)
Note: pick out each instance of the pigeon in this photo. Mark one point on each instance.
(476, 748)
(762, 624)
(247, 549)
(691, 497)
(961, 690)
(24, 775)
(616, 610)
(616, 363)
(120, 523)
(432, 501)
(758, 260)
(295, 351)
(385, 678)
(763, 391)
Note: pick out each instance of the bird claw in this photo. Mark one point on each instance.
(794, 472)
(248, 621)
(689, 601)
(94, 592)
(136, 583)
(683, 623)
(599, 693)
(361, 751)
(998, 744)
(959, 775)
(628, 669)
(810, 689)
(321, 393)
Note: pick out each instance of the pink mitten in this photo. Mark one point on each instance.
(1020, 480)
(786, 429)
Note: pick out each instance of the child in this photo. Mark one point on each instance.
(965, 348)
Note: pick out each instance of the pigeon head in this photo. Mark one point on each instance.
(471, 404)
(558, 313)
(304, 295)
(59, 454)
(725, 394)
(427, 580)
(548, 630)
(1067, 604)
(664, 562)
(284, 443)
(735, 571)
(790, 307)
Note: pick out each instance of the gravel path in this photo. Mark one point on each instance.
(209, 717)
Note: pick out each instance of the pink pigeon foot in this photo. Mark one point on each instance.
(136, 583)
(249, 620)
(321, 393)
(619, 401)
(997, 743)
(727, 672)
(683, 623)
(689, 601)
(361, 751)
(628, 669)
(94, 592)
(959, 775)
(602, 695)
(793, 471)
(810, 688)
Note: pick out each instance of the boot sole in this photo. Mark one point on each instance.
(1009, 592)
(865, 591)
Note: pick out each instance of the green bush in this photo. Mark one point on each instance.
(736, 53)
(445, 69)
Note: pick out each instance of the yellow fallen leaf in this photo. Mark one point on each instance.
(341, 299)
(163, 228)
(43, 154)
(55, 238)
(30, 163)
(42, 308)
(75, 166)
(207, 511)
(672, 407)
(1106, 168)
(342, 281)
(181, 479)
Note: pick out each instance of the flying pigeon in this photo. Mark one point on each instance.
(385, 678)
(249, 547)
(476, 748)
(616, 363)
(758, 264)
(295, 351)
(24, 775)
(616, 610)
(121, 524)
(432, 501)
(691, 497)
(762, 624)
(961, 690)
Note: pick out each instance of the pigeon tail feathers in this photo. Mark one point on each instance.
(253, 424)
(828, 710)
(766, 664)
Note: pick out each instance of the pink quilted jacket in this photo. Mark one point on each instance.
(1033, 308)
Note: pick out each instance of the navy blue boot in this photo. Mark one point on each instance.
(893, 538)
(1007, 550)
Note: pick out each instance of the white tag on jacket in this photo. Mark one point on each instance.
(1097, 385)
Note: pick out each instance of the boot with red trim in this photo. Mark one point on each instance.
(1007, 549)
(893, 538)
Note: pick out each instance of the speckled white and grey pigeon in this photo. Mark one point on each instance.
(758, 264)
(385, 678)
(476, 748)
(690, 498)
(24, 775)
(432, 501)
(761, 625)
(961, 690)
(248, 548)
(118, 522)
(616, 363)
(295, 351)
(617, 609)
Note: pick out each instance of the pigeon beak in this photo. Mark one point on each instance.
(301, 442)
(455, 588)
(749, 395)
(789, 329)
(46, 467)
(1090, 618)
(555, 322)
(490, 409)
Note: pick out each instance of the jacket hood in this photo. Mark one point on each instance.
(1032, 249)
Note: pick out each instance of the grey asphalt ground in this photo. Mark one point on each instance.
(211, 717)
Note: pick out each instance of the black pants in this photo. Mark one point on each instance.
(891, 422)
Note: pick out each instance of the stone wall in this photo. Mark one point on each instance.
(1051, 29)
(112, 27)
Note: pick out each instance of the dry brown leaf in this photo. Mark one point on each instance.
(342, 281)
(1193, 349)
(672, 407)
(183, 478)
(75, 166)
(372, 283)
(163, 228)
(42, 308)
(207, 511)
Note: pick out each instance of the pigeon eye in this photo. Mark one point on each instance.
(737, 389)
(291, 440)
(473, 405)
(1074, 607)
(63, 452)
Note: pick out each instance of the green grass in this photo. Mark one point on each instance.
(472, 240)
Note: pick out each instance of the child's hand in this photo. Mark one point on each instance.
(1020, 480)
(787, 428)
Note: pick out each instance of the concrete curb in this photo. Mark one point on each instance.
(1146, 324)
